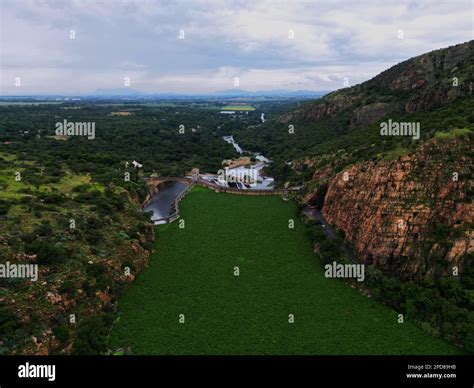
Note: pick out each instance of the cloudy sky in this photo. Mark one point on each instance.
(291, 44)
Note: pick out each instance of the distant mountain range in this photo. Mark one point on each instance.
(128, 92)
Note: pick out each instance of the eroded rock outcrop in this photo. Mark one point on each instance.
(410, 215)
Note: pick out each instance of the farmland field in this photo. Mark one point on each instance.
(192, 273)
(238, 107)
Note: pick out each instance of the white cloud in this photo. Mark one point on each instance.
(223, 39)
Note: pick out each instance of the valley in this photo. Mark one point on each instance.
(237, 190)
(235, 279)
(244, 274)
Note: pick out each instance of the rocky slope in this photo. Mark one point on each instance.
(404, 205)
(413, 214)
(426, 81)
(81, 270)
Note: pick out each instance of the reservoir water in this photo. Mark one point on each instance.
(161, 203)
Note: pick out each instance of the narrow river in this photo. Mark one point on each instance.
(263, 182)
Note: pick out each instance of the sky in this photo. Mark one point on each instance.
(156, 46)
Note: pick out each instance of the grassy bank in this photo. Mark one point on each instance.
(192, 273)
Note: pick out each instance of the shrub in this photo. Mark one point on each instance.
(47, 252)
(96, 270)
(91, 336)
(68, 287)
(61, 333)
(8, 322)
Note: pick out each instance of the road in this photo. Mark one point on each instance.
(330, 232)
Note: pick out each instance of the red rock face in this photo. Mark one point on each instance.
(315, 112)
(392, 211)
(372, 112)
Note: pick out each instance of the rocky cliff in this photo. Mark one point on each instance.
(404, 204)
(409, 215)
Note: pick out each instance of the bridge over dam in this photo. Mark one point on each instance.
(155, 184)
